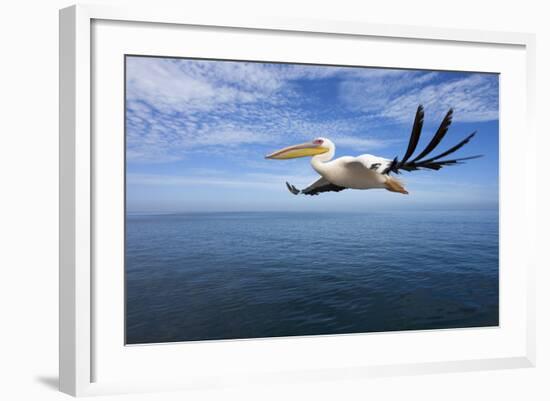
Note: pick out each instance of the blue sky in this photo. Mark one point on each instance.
(197, 132)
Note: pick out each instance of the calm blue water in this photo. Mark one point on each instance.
(245, 275)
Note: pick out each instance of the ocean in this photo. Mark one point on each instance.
(208, 276)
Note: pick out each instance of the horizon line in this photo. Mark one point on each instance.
(175, 212)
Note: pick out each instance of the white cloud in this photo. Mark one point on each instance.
(220, 179)
(176, 106)
(154, 137)
(361, 143)
(473, 97)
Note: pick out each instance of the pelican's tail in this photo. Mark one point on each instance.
(394, 185)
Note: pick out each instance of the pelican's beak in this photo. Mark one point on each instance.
(301, 150)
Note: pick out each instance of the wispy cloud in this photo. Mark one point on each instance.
(474, 97)
(218, 179)
(174, 86)
(362, 143)
(177, 106)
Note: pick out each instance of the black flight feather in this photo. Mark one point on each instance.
(436, 165)
(415, 133)
(292, 189)
(441, 131)
(453, 149)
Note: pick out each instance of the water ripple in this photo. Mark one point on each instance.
(247, 275)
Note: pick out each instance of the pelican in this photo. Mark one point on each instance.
(368, 171)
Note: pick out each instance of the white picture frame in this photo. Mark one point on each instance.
(82, 343)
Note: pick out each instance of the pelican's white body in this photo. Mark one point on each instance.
(361, 172)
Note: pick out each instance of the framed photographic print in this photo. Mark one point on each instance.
(275, 200)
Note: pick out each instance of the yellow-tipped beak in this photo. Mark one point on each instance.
(301, 150)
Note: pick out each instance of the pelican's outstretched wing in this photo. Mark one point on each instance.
(321, 185)
(432, 163)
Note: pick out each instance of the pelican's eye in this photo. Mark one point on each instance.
(318, 142)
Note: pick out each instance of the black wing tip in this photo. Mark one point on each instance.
(471, 157)
(449, 117)
(420, 112)
(436, 165)
(419, 117)
(292, 188)
(467, 139)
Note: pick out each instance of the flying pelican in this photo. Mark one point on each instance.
(368, 171)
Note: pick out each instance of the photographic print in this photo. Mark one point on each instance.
(270, 199)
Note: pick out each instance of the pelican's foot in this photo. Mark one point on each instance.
(394, 185)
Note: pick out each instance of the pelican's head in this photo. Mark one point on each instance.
(316, 147)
